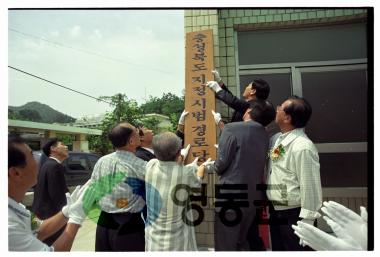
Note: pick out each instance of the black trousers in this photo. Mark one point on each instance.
(243, 236)
(281, 231)
(254, 239)
(120, 232)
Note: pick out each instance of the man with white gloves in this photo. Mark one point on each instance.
(350, 229)
(22, 175)
(257, 89)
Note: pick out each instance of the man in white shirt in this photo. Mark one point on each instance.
(294, 184)
(22, 175)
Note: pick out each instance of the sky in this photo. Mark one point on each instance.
(98, 52)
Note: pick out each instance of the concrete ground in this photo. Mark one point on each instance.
(85, 239)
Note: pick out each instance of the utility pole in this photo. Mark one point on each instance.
(119, 100)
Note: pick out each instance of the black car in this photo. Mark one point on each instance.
(79, 166)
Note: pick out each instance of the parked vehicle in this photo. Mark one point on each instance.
(79, 166)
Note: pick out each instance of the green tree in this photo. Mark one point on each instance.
(151, 123)
(62, 118)
(125, 110)
(31, 115)
(169, 105)
(13, 115)
(153, 105)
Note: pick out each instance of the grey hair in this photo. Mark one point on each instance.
(166, 146)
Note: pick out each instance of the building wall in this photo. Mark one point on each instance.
(225, 23)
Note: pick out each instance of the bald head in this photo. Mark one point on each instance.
(121, 134)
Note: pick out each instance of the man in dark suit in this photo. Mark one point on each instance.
(240, 165)
(145, 151)
(50, 191)
(257, 89)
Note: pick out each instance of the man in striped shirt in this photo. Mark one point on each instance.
(168, 187)
(118, 188)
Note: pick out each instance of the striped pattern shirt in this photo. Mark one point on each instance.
(118, 182)
(294, 178)
(165, 228)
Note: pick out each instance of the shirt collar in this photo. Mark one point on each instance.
(51, 157)
(148, 149)
(18, 208)
(288, 137)
(125, 153)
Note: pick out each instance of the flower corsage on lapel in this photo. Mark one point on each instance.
(276, 153)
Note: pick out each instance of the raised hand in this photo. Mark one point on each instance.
(77, 213)
(346, 223)
(217, 117)
(194, 163)
(181, 120)
(321, 241)
(214, 86)
(216, 75)
(70, 199)
(185, 151)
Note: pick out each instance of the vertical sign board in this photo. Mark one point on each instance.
(200, 128)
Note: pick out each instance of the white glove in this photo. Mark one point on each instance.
(364, 214)
(70, 199)
(216, 146)
(310, 222)
(214, 86)
(217, 117)
(185, 151)
(181, 120)
(346, 223)
(194, 163)
(216, 75)
(321, 241)
(76, 212)
(209, 165)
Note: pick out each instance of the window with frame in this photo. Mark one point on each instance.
(328, 66)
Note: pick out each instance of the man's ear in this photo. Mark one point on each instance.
(13, 172)
(253, 91)
(288, 118)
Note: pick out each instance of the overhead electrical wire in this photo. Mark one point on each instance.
(59, 85)
(86, 51)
